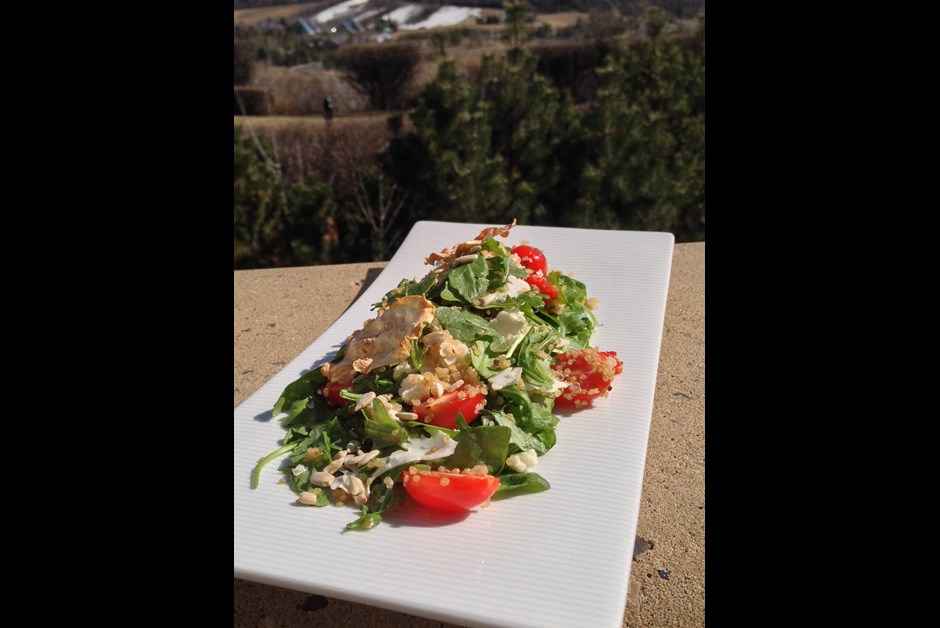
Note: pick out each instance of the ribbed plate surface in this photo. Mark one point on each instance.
(557, 558)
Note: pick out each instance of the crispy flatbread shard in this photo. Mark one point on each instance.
(384, 340)
(492, 231)
(446, 258)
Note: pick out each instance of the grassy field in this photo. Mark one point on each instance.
(561, 20)
(311, 122)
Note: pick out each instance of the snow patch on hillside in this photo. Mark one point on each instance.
(331, 13)
(403, 14)
(445, 16)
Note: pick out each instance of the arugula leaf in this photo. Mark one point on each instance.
(325, 436)
(534, 355)
(296, 434)
(519, 439)
(367, 521)
(415, 356)
(576, 321)
(256, 472)
(298, 413)
(513, 484)
(577, 325)
(301, 388)
(298, 483)
(322, 500)
(384, 429)
(383, 496)
(377, 381)
(470, 281)
(532, 412)
(486, 444)
(491, 245)
(407, 287)
(498, 272)
(433, 429)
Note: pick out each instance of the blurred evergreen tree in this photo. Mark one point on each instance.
(446, 164)
(647, 170)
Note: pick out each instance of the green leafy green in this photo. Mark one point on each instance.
(498, 272)
(484, 444)
(407, 287)
(384, 430)
(416, 354)
(256, 472)
(470, 281)
(377, 381)
(465, 326)
(299, 482)
(519, 439)
(513, 484)
(482, 356)
(432, 429)
(322, 500)
(534, 355)
(301, 388)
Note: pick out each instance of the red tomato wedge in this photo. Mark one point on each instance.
(442, 411)
(531, 258)
(589, 374)
(449, 492)
(331, 392)
(541, 284)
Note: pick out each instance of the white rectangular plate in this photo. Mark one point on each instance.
(557, 558)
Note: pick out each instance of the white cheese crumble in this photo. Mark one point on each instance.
(522, 461)
(510, 323)
(298, 470)
(506, 377)
(517, 286)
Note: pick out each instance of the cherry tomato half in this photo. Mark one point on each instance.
(541, 284)
(589, 373)
(442, 411)
(532, 258)
(331, 392)
(449, 492)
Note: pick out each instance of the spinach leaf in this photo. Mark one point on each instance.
(470, 281)
(486, 444)
(519, 484)
(465, 326)
(482, 357)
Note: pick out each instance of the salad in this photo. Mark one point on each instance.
(447, 396)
